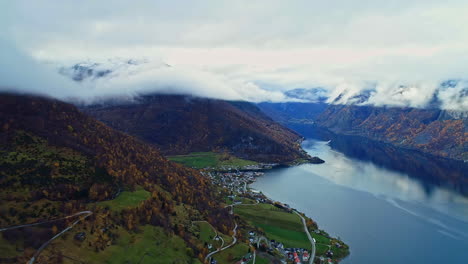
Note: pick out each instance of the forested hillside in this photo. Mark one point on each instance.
(56, 161)
(182, 124)
(434, 131)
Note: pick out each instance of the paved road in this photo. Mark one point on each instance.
(312, 253)
(222, 241)
(34, 257)
(46, 222)
(214, 229)
(232, 205)
(234, 241)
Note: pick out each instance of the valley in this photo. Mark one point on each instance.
(57, 161)
(179, 125)
(233, 132)
(434, 131)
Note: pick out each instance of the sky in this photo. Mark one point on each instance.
(247, 50)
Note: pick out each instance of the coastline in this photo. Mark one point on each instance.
(238, 183)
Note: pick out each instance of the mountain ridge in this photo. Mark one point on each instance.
(438, 132)
(179, 124)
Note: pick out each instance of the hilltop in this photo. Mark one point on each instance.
(182, 124)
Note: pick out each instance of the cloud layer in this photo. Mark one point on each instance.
(394, 52)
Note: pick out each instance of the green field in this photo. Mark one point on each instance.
(244, 200)
(126, 199)
(260, 260)
(150, 245)
(232, 254)
(248, 201)
(276, 223)
(323, 245)
(321, 249)
(206, 232)
(199, 160)
(206, 235)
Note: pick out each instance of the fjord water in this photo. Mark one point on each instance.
(390, 205)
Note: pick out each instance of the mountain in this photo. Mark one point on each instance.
(182, 124)
(88, 70)
(438, 132)
(310, 95)
(56, 161)
(293, 112)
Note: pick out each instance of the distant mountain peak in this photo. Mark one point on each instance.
(317, 94)
(90, 70)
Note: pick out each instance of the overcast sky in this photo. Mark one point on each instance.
(252, 49)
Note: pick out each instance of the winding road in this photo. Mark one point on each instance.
(43, 246)
(312, 242)
(214, 229)
(234, 241)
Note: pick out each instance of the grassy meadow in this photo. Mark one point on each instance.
(199, 160)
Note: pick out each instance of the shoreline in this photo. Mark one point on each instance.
(239, 182)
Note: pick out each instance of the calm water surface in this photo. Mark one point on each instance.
(389, 205)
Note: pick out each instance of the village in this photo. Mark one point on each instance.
(272, 247)
(236, 183)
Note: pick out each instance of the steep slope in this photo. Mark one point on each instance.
(182, 124)
(433, 131)
(56, 161)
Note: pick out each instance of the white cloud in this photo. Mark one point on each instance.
(454, 98)
(241, 49)
(153, 77)
(19, 72)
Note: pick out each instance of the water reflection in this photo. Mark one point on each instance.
(390, 205)
(430, 170)
(385, 183)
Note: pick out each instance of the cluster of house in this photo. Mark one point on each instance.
(253, 167)
(234, 181)
(260, 166)
(277, 245)
(325, 260)
(297, 255)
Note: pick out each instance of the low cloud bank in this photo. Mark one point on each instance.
(89, 82)
(449, 94)
(21, 73)
(115, 78)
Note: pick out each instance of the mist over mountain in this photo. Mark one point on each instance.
(93, 80)
(310, 95)
(143, 76)
(450, 95)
